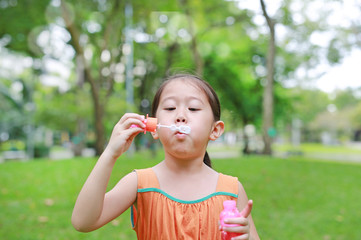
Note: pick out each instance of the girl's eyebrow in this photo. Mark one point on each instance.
(195, 98)
(188, 99)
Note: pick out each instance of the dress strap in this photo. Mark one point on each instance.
(227, 184)
(147, 178)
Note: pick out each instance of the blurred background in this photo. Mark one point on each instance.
(287, 74)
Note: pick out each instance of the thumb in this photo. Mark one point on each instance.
(247, 209)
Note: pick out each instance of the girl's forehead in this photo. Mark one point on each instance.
(182, 84)
(183, 87)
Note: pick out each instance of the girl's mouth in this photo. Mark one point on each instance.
(180, 135)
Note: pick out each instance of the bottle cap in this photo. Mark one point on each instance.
(229, 204)
(150, 124)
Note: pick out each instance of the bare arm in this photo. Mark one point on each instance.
(244, 204)
(94, 207)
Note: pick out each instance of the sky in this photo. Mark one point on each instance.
(347, 74)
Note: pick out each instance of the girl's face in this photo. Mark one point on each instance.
(182, 102)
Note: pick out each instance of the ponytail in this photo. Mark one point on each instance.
(207, 160)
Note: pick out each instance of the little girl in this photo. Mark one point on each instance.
(182, 196)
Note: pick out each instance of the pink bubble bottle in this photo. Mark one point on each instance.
(230, 211)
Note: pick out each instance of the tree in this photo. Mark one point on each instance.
(239, 92)
(19, 107)
(21, 22)
(356, 122)
(101, 84)
(13, 104)
(345, 98)
(268, 88)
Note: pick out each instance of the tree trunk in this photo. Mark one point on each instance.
(268, 88)
(99, 110)
(98, 105)
(99, 128)
(246, 150)
(78, 145)
(171, 50)
(196, 57)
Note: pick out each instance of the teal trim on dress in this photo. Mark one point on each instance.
(143, 190)
(132, 216)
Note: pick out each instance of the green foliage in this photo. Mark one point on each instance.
(21, 21)
(41, 151)
(12, 145)
(309, 103)
(238, 92)
(313, 108)
(60, 111)
(345, 98)
(334, 53)
(356, 117)
(293, 199)
(16, 105)
(115, 109)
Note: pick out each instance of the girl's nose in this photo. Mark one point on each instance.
(181, 119)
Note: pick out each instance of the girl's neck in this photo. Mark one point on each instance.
(186, 179)
(183, 166)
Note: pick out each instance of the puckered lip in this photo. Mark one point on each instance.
(177, 131)
(180, 135)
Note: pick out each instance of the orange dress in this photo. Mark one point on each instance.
(159, 216)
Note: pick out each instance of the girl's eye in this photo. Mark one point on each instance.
(169, 108)
(193, 109)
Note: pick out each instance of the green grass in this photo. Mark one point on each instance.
(318, 148)
(293, 199)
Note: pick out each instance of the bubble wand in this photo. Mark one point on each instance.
(151, 125)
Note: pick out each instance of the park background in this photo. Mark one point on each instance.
(291, 104)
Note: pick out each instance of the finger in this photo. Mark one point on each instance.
(126, 132)
(238, 229)
(132, 123)
(241, 237)
(247, 210)
(133, 135)
(132, 132)
(239, 221)
(127, 116)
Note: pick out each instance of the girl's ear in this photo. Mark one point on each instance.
(217, 131)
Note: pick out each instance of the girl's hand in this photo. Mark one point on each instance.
(123, 135)
(243, 221)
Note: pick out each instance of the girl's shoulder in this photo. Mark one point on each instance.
(146, 178)
(227, 183)
(228, 177)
